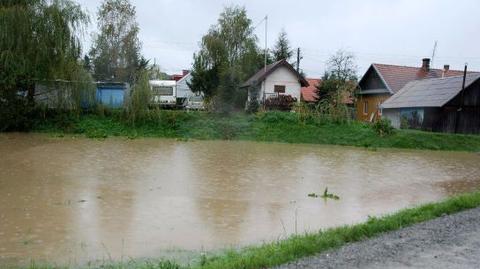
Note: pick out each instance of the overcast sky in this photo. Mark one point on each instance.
(394, 31)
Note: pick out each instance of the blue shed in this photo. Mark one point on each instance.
(112, 94)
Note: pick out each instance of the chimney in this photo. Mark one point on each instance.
(446, 67)
(426, 64)
(185, 72)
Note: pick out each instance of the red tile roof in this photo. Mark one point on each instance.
(309, 94)
(397, 76)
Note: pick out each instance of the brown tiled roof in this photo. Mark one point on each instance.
(264, 72)
(309, 94)
(396, 76)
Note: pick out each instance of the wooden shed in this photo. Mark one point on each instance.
(437, 104)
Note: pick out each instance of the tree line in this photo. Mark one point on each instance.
(41, 41)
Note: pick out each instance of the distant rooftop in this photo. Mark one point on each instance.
(435, 92)
(397, 76)
(309, 93)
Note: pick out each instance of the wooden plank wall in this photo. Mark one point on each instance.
(445, 119)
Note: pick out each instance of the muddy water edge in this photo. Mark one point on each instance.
(73, 200)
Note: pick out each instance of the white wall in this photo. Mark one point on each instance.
(183, 91)
(393, 114)
(282, 76)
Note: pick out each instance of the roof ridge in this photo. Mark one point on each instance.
(416, 67)
(446, 77)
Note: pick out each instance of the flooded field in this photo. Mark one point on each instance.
(72, 200)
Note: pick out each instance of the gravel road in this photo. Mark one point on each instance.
(448, 242)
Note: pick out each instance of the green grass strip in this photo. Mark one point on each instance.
(299, 246)
(282, 127)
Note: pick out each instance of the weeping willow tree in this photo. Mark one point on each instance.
(138, 106)
(39, 41)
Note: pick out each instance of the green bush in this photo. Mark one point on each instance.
(281, 102)
(15, 113)
(383, 127)
(329, 111)
(404, 123)
(253, 106)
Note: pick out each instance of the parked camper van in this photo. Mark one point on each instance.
(164, 92)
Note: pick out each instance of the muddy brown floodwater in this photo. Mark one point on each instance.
(73, 200)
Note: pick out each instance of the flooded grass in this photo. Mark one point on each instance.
(299, 246)
(271, 126)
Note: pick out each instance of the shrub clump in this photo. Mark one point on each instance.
(280, 102)
(253, 106)
(383, 127)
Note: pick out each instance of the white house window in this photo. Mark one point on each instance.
(365, 107)
(379, 108)
(279, 89)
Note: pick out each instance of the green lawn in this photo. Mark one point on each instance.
(271, 126)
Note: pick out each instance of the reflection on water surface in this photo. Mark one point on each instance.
(73, 200)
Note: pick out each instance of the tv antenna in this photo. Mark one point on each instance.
(434, 51)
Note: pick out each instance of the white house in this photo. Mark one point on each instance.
(278, 78)
(183, 90)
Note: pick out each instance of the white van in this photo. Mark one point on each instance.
(195, 102)
(164, 92)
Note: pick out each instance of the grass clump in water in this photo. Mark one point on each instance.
(325, 195)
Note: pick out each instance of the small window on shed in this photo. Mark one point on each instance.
(279, 88)
(365, 107)
(379, 108)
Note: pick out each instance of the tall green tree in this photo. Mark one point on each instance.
(282, 50)
(228, 56)
(39, 41)
(339, 78)
(116, 49)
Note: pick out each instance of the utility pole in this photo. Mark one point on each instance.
(298, 60)
(462, 99)
(265, 63)
(266, 41)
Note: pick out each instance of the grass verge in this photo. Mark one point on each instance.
(271, 126)
(299, 246)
